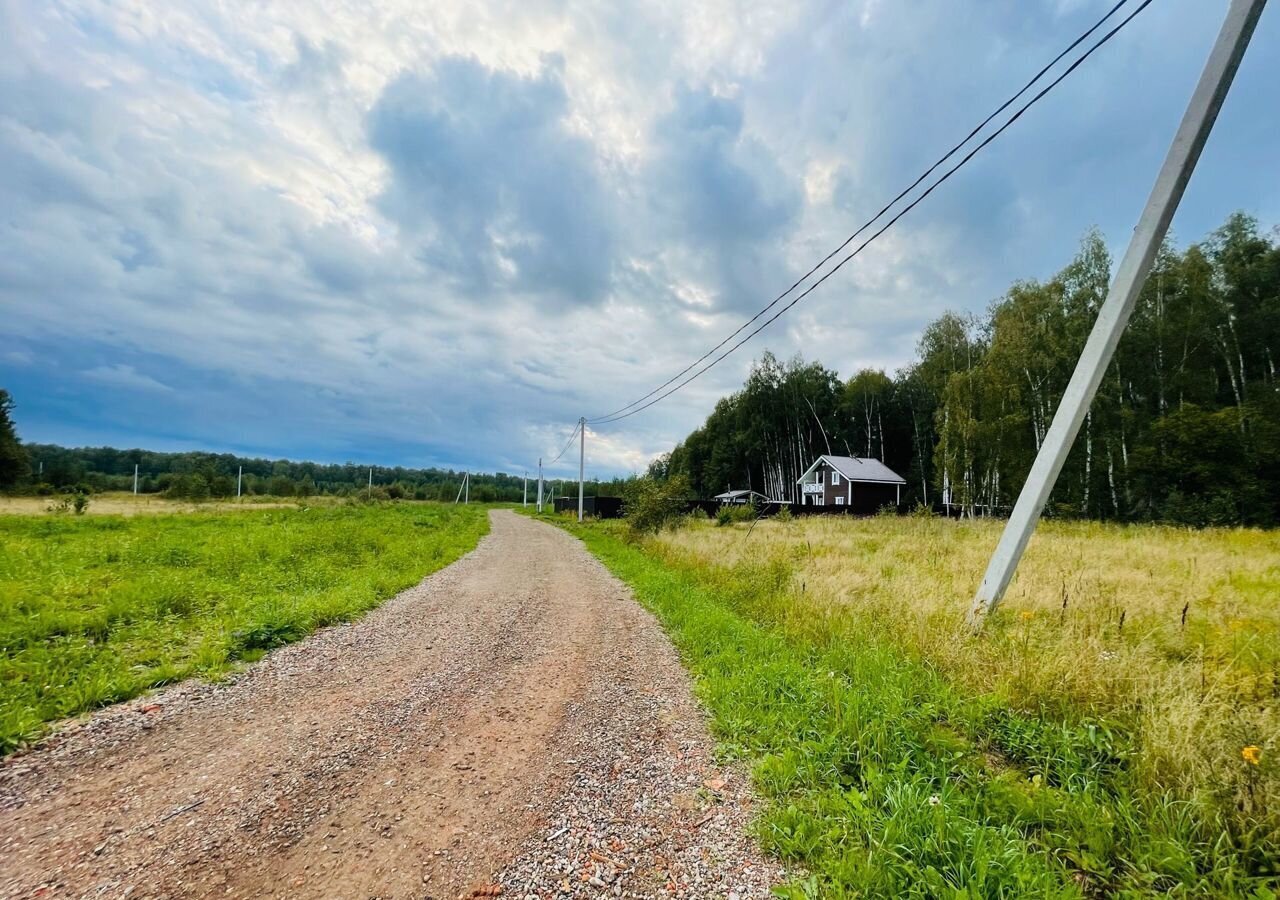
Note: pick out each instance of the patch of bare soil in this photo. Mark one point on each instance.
(516, 725)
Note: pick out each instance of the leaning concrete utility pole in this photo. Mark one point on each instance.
(1197, 122)
(539, 484)
(135, 479)
(466, 500)
(526, 489)
(370, 482)
(582, 460)
(239, 480)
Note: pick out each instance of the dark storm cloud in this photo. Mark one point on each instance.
(487, 177)
(721, 192)
(309, 231)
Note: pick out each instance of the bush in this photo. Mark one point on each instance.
(784, 513)
(650, 505)
(727, 515)
(80, 503)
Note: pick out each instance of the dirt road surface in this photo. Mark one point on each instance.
(514, 726)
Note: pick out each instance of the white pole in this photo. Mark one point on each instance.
(239, 481)
(1172, 180)
(526, 489)
(466, 482)
(371, 482)
(460, 487)
(135, 479)
(539, 484)
(582, 458)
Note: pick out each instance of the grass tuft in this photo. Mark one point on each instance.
(98, 609)
(896, 759)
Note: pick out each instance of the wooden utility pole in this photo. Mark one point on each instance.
(1171, 182)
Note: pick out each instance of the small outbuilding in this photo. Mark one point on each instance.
(863, 485)
(739, 498)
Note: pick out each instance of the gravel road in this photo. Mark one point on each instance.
(516, 725)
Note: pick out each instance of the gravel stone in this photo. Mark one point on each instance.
(516, 725)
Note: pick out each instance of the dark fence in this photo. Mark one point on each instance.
(611, 507)
(764, 510)
(599, 507)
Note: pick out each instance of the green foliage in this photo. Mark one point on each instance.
(881, 779)
(97, 609)
(201, 476)
(80, 503)
(784, 514)
(14, 464)
(649, 505)
(1185, 426)
(732, 513)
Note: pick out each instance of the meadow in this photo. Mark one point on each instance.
(1115, 730)
(126, 503)
(96, 609)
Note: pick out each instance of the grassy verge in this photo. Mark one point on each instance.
(883, 776)
(95, 610)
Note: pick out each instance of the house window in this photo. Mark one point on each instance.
(839, 501)
(835, 478)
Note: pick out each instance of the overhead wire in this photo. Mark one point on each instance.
(567, 445)
(908, 189)
(639, 406)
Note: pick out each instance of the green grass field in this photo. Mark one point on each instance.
(97, 609)
(897, 758)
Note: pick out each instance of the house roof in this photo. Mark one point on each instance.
(857, 468)
(733, 495)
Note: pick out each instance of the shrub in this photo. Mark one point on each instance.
(80, 503)
(650, 505)
(784, 513)
(727, 515)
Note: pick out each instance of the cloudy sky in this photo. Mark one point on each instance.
(437, 233)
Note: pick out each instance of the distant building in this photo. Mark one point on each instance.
(863, 485)
(735, 498)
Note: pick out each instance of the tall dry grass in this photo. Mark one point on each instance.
(1174, 633)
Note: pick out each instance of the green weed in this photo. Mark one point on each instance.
(881, 777)
(96, 610)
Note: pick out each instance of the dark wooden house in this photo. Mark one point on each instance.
(858, 484)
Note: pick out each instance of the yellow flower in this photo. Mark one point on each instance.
(1026, 615)
(1251, 754)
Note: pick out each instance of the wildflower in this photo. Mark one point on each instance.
(934, 799)
(1026, 615)
(1251, 754)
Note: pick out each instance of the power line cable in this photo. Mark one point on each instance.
(568, 444)
(929, 171)
(622, 414)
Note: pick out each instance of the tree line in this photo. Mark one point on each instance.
(1185, 428)
(50, 468)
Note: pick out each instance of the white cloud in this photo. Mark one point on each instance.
(127, 377)
(194, 191)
